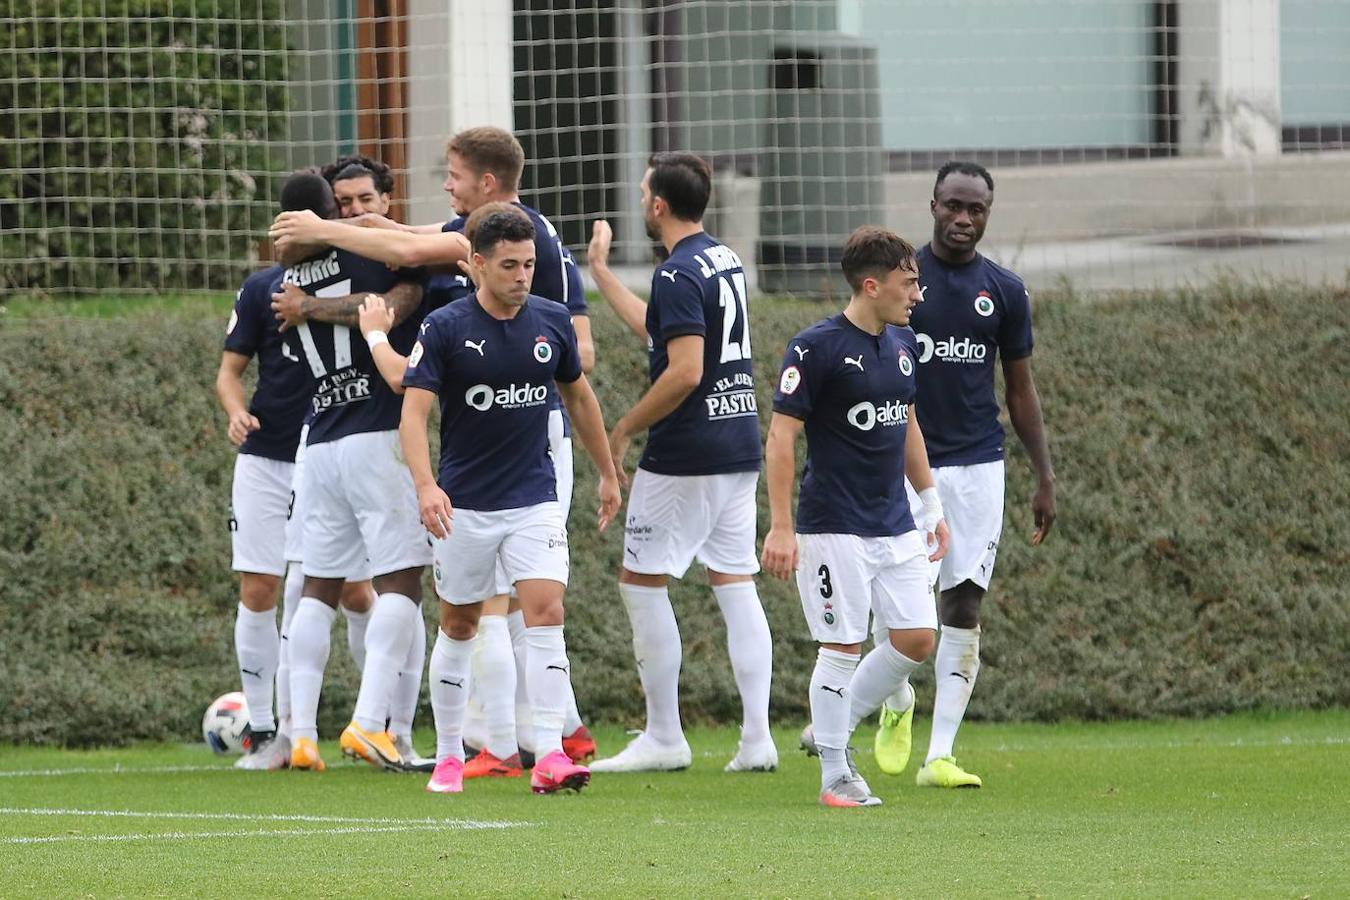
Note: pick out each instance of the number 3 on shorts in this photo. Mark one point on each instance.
(826, 589)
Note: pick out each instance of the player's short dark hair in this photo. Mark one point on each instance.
(493, 223)
(963, 167)
(684, 181)
(308, 190)
(341, 169)
(873, 252)
(491, 150)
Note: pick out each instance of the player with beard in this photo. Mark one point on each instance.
(693, 495)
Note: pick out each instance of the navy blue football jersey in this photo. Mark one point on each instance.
(284, 386)
(700, 290)
(349, 396)
(493, 378)
(853, 390)
(969, 315)
(556, 278)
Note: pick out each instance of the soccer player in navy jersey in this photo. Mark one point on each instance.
(973, 311)
(361, 185)
(489, 359)
(847, 382)
(360, 502)
(268, 431)
(693, 496)
(484, 165)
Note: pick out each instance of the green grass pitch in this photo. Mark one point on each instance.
(1247, 805)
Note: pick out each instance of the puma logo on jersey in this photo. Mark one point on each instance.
(848, 361)
(665, 274)
(462, 280)
(801, 354)
(287, 352)
(422, 329)
(923, 292)
(478, 346)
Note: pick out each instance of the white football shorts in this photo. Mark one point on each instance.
(972, 504)
(260, 501)
(360, 504)
(295, 525)
(674, 520)
(844, 577)
(527, 542)
(560, 448)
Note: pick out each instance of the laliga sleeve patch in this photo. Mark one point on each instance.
(234, 320)
(790, 380)
(416, 356)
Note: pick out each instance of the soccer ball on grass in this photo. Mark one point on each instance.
(225, 725)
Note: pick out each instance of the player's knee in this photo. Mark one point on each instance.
(959, 607)
(915, 643)
(358, 596)
(258, 593)
(459, 623)
(656, 581)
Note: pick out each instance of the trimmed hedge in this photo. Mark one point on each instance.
(1198, 565)
(137, 141)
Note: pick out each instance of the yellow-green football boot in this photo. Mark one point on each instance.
(943, 772)
(892, 742)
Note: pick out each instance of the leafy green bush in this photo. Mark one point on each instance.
(1198, 565)
(136, 141)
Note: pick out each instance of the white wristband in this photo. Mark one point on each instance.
(375, 338)
(932, 512)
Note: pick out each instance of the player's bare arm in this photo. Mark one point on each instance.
(393, 247)
(1024, 409)
(585, 342)
(375, 319)
(293, 306)
(375, 220)
(675, 384)
(230, 390)
(589, 424)
(629, 306)
(929, 521)
(780, 468)
(433, 505)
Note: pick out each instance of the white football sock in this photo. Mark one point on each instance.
(829, 711)
(524, 722)
(403, 705)
(310, 636)
(548, 673)
(449, 675)
(903, 696)
(290, 601)
(494, 684)
(255, 646)
(657, 648)
(955, 666)
(751, 650)
(357, 622)
(876, 678)
(387, 638)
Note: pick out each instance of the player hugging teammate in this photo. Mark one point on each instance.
(493, 329)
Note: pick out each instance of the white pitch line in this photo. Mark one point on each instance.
(196, 835)
(260, 817)
(111, 770)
